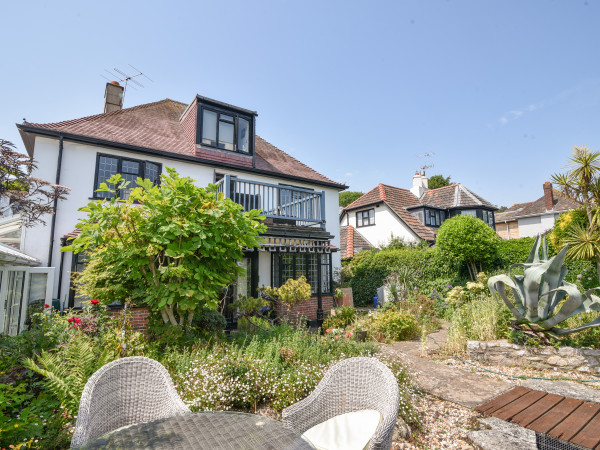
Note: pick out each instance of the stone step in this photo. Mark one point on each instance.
(502, 435)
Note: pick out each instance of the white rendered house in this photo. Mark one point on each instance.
(413, 215)
(207, 140)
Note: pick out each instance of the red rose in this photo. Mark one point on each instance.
(70, 320)
(77, 320)
(94, 301)
(46, 305)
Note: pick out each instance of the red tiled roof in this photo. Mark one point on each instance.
(453, 196)
(351, 239)
(157, 126)
(538, 206)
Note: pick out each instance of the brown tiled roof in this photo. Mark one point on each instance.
(157, 126)
(453, 196)
(538, 206)
(351, 239)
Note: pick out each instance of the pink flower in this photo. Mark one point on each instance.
(77, 320)
(46, 305)
(94, 301)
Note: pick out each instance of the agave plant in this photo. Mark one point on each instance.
(543, 299)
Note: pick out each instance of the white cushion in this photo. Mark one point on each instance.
(350, 431)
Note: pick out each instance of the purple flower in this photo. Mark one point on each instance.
(449, 286)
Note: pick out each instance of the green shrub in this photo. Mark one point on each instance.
(340, 318)
(397, 325)
(468, 241)
(512, 251)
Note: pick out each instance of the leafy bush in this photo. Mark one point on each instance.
(397, 325)
(469, 241)
(340, 318)
(513, 251)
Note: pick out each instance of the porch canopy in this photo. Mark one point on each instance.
(10, 255)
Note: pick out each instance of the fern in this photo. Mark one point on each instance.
(67, 369)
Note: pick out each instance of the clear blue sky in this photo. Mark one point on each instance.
(500, 90)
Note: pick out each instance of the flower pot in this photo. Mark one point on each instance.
(360, 335)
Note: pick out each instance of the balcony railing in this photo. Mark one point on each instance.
(301, 206)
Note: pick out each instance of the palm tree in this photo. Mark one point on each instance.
(581, 183)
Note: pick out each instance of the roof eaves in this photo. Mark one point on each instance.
(169, 155)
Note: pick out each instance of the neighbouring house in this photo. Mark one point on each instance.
(533, 218)
(415, 214)
(207, 140)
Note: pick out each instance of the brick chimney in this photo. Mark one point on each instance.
(113, 97)
(548, 196)
(420, 184)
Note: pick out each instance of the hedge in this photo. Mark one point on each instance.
(370, 268)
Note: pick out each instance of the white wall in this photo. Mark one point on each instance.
(387, 224)
(77, 173)
(532, 226)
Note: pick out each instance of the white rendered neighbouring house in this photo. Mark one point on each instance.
(413, 215)
(208, 141)
(533, 218)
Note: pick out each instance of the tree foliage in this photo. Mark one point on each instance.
(31, 197)
(348, 197)
(468, 240)
(173, 247)
(438, 181)
(581, 182)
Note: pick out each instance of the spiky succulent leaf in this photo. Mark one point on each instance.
(552, 279)
(497, 285)
(534, 254)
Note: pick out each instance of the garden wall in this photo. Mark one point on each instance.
(140, 316)
(562, 358)
(308, 308)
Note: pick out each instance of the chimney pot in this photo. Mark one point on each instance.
(548, 196)
(113, 97)
(420, 184)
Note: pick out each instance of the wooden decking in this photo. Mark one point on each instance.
(564, 418)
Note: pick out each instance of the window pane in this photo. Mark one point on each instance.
(224, 117)
(313, 272)
(209, 128)
(371, 217)
(300, 265)
(287, 267)
(131, 167)
(226, 135)
(107, 167)
(469, 212)
(325, 273)
(243, 135)
(151, 172)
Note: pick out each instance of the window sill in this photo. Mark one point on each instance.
(222, 150)
(365, 226)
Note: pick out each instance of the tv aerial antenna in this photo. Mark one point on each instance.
(126, 78)
(424, 167)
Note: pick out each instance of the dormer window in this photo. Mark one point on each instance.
(225, 128)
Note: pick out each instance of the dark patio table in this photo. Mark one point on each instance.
(204, 430)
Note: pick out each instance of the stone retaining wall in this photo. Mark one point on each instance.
(562, 358)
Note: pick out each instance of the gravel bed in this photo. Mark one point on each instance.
(444, 425)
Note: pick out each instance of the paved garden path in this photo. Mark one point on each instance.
(448, 383)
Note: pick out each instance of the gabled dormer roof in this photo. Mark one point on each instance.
(158, 127)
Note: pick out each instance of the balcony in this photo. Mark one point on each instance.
(284, 204)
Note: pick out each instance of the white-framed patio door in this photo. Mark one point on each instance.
(21, 286)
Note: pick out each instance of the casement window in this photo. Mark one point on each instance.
(130, 169)
(365, 218)
(226, 130)
(434, 217)
(294, 265)
(78, 262)
(469, 212)
(488, 217)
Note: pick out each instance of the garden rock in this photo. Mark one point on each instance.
(502, 435)
(402, 430)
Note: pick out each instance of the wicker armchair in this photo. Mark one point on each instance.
(351, 385)
(124, 392)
